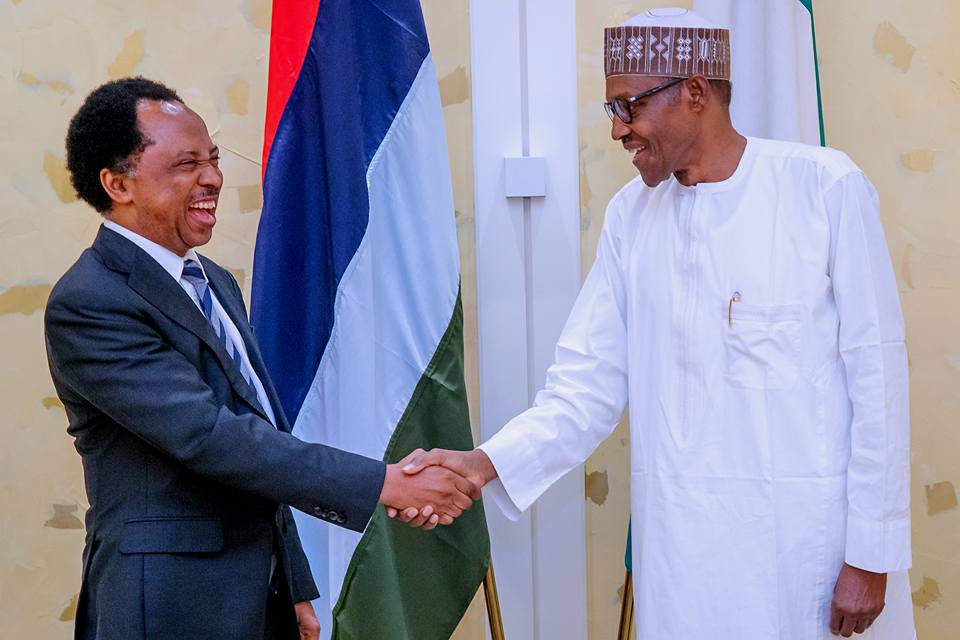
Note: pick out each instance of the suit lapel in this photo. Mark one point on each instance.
(155, 285)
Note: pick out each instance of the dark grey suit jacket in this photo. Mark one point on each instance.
(187, 480)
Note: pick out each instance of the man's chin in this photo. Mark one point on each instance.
(195, 238)
(650, 180)
(202, 239)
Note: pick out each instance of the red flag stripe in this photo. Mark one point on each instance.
(290, 32)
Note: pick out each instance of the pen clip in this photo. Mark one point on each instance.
(734, 298)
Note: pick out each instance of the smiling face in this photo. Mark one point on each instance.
(663, 129)
(171, 192)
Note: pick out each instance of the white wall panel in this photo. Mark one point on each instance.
(528, 274)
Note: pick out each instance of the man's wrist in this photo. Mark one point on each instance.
(389, 485)
(484, 465)
(864, 571)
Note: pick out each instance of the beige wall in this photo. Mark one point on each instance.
(891, 101)
(52, 54)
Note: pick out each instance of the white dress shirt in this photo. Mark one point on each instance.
(173, 264)
(753, 326)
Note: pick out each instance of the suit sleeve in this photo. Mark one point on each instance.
(299, 576)
(109, 354)
(871, 341)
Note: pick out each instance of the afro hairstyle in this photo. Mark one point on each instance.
(104, 134)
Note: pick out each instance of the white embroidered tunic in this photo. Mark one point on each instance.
(753, 327)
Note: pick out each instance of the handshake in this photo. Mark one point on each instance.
(434, 487)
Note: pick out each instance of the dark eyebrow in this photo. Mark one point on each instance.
(214, 150)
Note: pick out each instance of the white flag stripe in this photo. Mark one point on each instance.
(393, 306)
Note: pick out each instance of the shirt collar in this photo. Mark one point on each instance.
(743, 167)
(171, 262)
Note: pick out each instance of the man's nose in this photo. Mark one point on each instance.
(211, 176)
(618, 129)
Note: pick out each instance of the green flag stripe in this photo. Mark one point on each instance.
(816, 66)
(408, 584)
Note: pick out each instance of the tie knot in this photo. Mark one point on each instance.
(192, 271)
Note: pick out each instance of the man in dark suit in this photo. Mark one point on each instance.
(188, 459)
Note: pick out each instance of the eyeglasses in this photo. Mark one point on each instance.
(623, 107)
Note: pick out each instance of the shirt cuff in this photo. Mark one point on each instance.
(496, 491)
(881, 547)
(520, 475)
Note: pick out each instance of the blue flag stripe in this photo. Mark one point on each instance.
(359, 66)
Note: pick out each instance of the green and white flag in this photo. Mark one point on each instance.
(356, 298)
(776, 88)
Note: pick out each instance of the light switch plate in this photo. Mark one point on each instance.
(525, 177)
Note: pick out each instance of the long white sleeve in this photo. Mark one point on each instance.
(871, 342)
(585, 392)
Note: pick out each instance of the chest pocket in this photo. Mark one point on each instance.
(762, 345)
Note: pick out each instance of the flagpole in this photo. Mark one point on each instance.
(493, 604)
(626, 609)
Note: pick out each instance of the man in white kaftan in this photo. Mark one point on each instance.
(743, 305)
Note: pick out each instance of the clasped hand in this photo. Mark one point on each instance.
(429, 488)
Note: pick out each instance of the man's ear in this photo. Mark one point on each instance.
(115, 184)
(697, 89)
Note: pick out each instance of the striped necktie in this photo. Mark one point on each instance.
(193, 274)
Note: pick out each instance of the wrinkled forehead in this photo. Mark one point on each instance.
(164, 109)
(170, 123)
(168, 113)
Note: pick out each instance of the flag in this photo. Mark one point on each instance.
(776, 82)
(356, 299)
